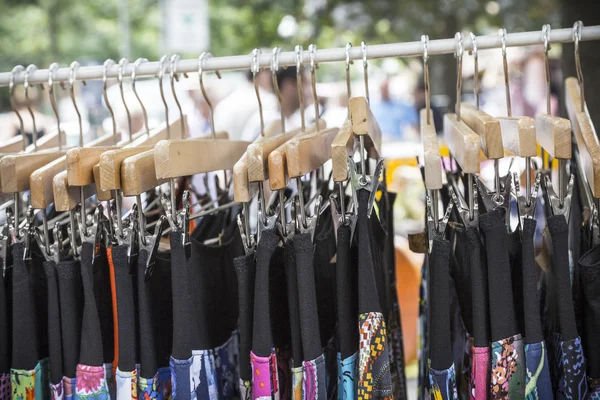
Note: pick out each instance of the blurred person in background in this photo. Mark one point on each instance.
(394, 116)
(419, 96)
(233, 113)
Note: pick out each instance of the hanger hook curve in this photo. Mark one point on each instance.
(312, 48)
(51, 71)
(106, 65)
(274, 70)
(30, 69)
(201, 60)
(11, 91)
(363, 47)
(72, 77)
(160, 74)
(459, 57)
(136, 64)
(577, 28)
(475, 53)
(502, 33)
(122, 63)
(425, 41)
(299, 64)
(174, 77)
(255, 69)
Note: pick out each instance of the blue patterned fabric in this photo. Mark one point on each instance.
(180, 377)
(203, 376)
(442, 384)
(347, 369)
(593, 389)
(226, 362)
(572, 384)
(538, 383)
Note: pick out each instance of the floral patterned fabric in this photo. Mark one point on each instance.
(64, 390)
(480, 372)
(314, 379)
(127, 385)
(203, 376)
(226, 362)
(442, 384)
(297, 383)
(5, 386)
(538, 383)
(56, 391)
(347, 377)
(265, 383)
(110, 381)
(508, 369)
(91, 383)
(374, 380)
(572, 382)
(157, 387)
(32, 384)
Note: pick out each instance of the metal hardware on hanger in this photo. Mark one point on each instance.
(11, 93)
(201, 59)
(136, 64)
(432, 232)
(361, 139)
(173, 76)
(299, 64)
(151, 247)
(274, 69)
(30, 69)
(526, 211)
(461, 204)
(255, 69)
(118, 227)
(92, 234)
(161, 72)
(107, 64)
(577, 28)
(122, 63)
(342, 192)
(555, 200)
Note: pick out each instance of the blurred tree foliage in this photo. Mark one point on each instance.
(44, 31)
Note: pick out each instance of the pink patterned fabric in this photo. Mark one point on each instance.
(480, 372)
(264, 377)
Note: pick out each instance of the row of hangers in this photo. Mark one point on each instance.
(469, 131)
(113, 166)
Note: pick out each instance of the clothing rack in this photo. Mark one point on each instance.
(241, 62)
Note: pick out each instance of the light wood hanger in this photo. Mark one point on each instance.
(365, 125)
(488, 129)
(431, 152)
(342, 147)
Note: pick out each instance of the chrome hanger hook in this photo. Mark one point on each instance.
(255, 69)
(136, 64)
(312, 48)
(459, 57)
(122, 63)
(348, 62)
(274, 69)
(161, 72)
(546, 39)
(475, 68)
(30, 68)
(425, 41)
(299, 65)
(363, 47)
(108, 64)
(11, 91)
(502, 33)
(577, 28)
(51, 71)
(72, 77)
(174, 77)
(201, 59)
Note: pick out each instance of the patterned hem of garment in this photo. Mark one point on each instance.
(480, 365)
(158, 387)
(246, 390)
(126, 382)
(374, 377)
(110, 380)
(442, 383)
(174, 365)
(297, 383)
(226, 361)
(5, 385)
(23, 382)
(203, 366)
(573, 379)
(91, 382)
(347, 376)
(508, 368)
(265, 382)
(538, 383)
(593, 388)
(314, 378)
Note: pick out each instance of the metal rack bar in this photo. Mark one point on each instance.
(406, 49)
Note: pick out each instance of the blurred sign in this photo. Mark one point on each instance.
(187, 26)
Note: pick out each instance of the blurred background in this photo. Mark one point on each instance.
(45, 31)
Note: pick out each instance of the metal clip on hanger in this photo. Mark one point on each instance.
(527, 211)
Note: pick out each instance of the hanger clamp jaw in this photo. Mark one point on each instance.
(526, 211)
(432, 232)
(91, 234)
(554, 199)
(463, 208)
(367, 182)
(151, 247)
(6, 243)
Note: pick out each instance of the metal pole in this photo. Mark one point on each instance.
(288, 58)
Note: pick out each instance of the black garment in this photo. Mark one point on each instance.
(561, 276)
(262, 335)
(103, 296)
(293, 304)
(70, 292)
(24, 331)
(479, 290)
(502, 311)
(91, 337)
(5, 319)
(439, 295)
(347, 298)
(532, 323)
(246, 272)
(155, 318)
(214, 280)
(589, 265)
(40, 298)
(54, 324)
(185, 322)
(307, 296)
(126, 305)
(516, 273)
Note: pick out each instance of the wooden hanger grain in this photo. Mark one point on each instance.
(488, 129)
(365, 124)
(463, 142)
(309, 152)
(554, 135)
(15, 170)
(66, 197)
(431, 152)
(342, 147)
(518, 135)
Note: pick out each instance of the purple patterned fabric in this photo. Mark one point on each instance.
(314, 379)
(5, 386)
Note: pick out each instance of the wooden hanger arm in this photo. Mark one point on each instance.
(180, 157)
(342, 147)
(110, 166)
(15, 170)
(12, 145)
(585, 135)
(103, 195)
(364, 123)
(554, 135)
(307, 153)
(488, 129)
(80, 164)
(48, 141)
(431, 152)
(138, 174)
(67, 197)
(463, 143)
(518, 135)
(258, 152)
